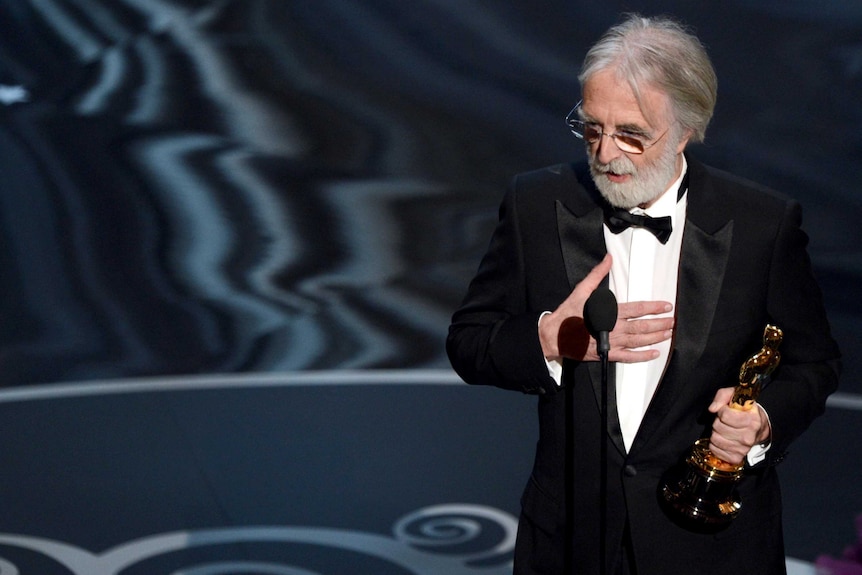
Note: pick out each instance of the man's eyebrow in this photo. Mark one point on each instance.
(586, 118)
(630, 128)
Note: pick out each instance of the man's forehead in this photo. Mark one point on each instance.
(609, 98)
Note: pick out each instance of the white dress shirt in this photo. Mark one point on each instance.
(644, 269)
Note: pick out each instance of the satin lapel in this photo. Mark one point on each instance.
(583, 246)
(581, 241)
(702, 265)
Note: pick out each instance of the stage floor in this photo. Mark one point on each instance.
(320, 472)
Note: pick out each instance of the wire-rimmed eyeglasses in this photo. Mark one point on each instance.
(591, 133)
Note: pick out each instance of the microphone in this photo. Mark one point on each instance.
(600, 315)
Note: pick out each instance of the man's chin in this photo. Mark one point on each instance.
(613, 194)
(624, 196)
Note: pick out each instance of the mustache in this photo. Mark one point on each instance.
(619, 166)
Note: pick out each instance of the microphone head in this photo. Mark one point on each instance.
(600, 311)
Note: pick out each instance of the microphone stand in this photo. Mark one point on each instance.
(603, 348)
(600, 316)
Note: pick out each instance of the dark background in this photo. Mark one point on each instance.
(252, 187)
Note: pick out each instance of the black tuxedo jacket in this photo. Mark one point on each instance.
(743, 264)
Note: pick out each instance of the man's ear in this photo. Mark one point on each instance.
(686, 136)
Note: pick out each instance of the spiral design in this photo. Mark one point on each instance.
(473, 531)
(455, 539)
(7, 568)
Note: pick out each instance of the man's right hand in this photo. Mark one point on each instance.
(563, 334)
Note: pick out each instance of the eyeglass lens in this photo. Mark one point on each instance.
(592, 134)
(624, 142)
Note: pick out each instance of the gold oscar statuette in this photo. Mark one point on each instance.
(704, 490)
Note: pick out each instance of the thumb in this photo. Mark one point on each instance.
(722, 398)
(594, 279)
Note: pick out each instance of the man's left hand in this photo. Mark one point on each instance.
(735, 431)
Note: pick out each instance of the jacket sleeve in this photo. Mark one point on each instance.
(493, 338)
(810, 359)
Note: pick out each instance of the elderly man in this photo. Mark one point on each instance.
(695, 293)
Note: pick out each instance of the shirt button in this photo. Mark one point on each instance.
(630, 471)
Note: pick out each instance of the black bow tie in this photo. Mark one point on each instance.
(618, 220)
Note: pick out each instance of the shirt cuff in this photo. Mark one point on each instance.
(758, 452)
(555, 368)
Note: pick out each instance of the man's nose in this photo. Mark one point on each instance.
(606, 149)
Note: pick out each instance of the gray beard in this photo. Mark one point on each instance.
(645, 185)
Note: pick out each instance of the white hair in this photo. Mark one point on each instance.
(659, 52)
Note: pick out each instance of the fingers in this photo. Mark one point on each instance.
(734, 431)
(638, 333)
(728, 451)
(631, 338)
(639, 309)
(622, 355)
